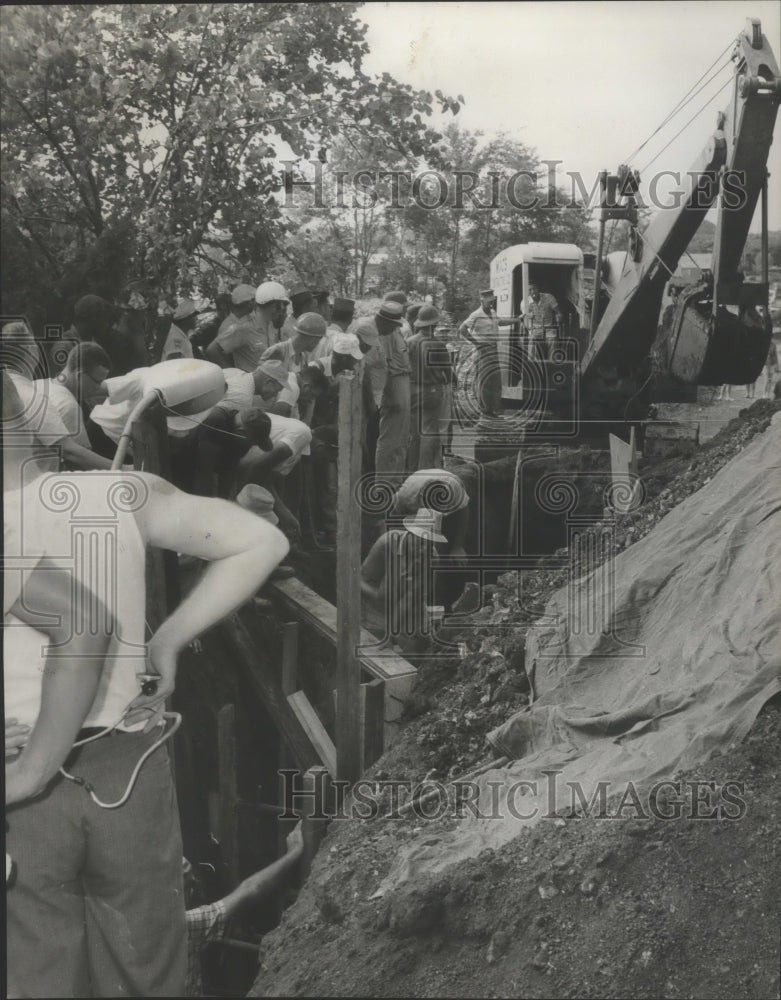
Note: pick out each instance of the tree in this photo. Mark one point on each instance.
(170, 118)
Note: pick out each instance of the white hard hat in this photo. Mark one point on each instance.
(270, 291)
(347, 343)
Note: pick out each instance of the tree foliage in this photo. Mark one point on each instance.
(160, 128)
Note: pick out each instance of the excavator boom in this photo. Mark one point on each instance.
(716, 332)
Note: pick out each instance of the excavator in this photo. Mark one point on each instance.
(715, 329)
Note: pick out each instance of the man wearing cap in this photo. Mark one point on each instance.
(481, 328)
(177, 343)
(301, 301)
(321, 303)
(247, 340)
(401, 298)
(342, 315)
(295, 352)
(430, 380)
(397, 581)
(393, 437)
(412, 315)
(242, 306)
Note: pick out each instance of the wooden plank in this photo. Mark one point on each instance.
(320, 615)
(372, 722)
(226, 762)
(348, 581)
(289, 684)
(231, 637)
(314, 729)
(289, 658)
(150, 454)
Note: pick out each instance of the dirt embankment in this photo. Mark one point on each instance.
(582, 907)
(575, 908)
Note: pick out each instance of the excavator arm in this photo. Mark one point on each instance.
(719, 329)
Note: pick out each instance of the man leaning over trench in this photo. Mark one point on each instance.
(96, 906)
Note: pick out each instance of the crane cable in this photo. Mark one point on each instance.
(687, 124)
(687, 97)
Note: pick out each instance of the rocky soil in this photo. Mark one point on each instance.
(575, 908)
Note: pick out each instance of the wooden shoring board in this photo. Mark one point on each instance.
(320, 615)
(314, 729)
(231, 637)
(226, 759)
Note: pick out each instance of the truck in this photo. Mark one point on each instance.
(617, 349)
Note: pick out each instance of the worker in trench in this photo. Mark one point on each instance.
(397, 583)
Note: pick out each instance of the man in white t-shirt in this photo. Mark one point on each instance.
(96, 907)
(268, 385)
(290, 439)
(52, 442)
(79, 384)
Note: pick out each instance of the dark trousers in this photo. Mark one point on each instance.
(96, 908)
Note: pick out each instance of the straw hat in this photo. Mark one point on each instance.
(258, 500)
(426, 524)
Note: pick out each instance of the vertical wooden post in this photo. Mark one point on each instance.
(372, 721)
(289, 686)
(348, 582)
(226, 750)
(150, 454)
(314, 819)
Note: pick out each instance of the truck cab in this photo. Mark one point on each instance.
(555, 268)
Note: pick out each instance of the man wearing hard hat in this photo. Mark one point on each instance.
(247, 341)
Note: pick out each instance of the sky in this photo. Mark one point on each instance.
(582, 82)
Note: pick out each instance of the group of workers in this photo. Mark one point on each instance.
(94, 852)
(95, 904)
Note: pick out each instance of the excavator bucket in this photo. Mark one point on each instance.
(707, 350)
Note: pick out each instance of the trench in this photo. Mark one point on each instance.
(210, 678)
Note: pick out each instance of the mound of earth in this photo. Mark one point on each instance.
(580, 907)
(576, 908)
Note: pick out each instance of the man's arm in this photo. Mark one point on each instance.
(273, 353)
(219, 357)
(465, 330)
(254, 888)
(373, 569)
(242, 550)
(269, 460)
(72, 670)
(83, 458)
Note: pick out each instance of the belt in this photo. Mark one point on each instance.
(398, 374)
(91, 731)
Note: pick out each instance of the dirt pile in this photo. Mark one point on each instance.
(581, 907)
(640, 907)
(458, 701)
